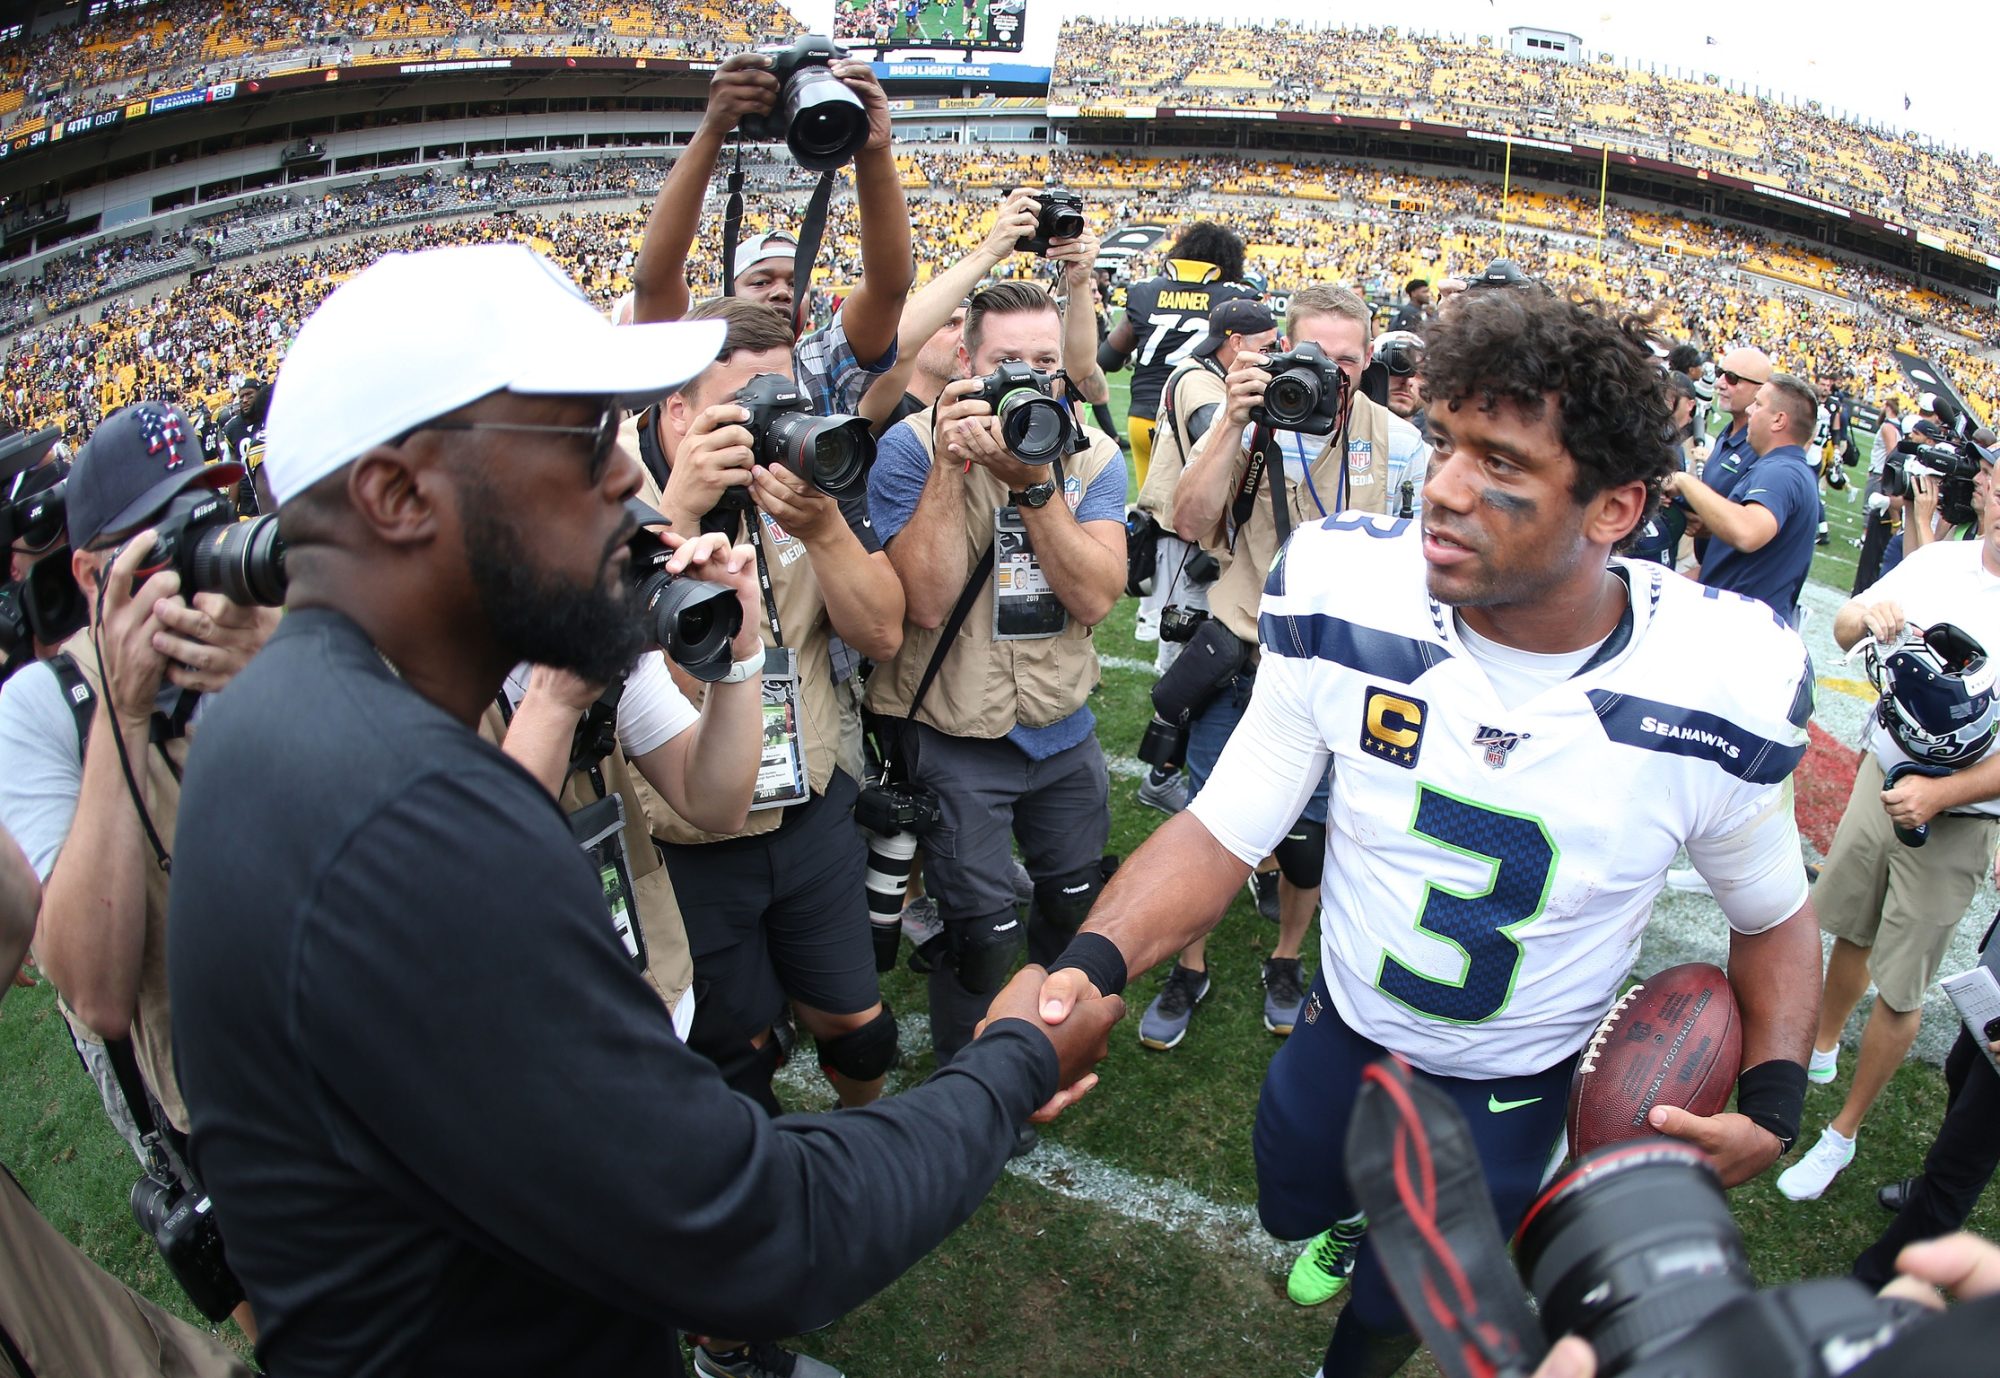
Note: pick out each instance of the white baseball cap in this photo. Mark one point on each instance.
(775, 244)
(414, 336)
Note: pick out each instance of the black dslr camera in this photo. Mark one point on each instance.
(832, 453)
(1034, 426)
(1179, 624)
(1061, 217)
(199, 538)
(180, 1221)
(1307, 392)
(692, 621)
(1632, 1248)
(822, 122)
(894, 814)
(35, 515)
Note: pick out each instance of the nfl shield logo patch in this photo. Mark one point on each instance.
(1498, 743)
(1360, 456)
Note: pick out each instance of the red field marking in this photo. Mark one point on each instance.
(1822, 784)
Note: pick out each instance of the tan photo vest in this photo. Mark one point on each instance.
(1188, 391)
(1237, 594)
(986, 688)
(152, 1029)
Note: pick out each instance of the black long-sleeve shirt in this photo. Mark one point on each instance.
(447, 1126)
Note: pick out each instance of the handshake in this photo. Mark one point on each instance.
(1080, 1035)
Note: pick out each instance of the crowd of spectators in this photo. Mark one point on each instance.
(175, 44)
(1383, 72)
(1374, 228)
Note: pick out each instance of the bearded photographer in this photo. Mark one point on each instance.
(1007, 567)
(835, 364)
(1223, 503)
(449, 1123)
(776, 909)
(118, 698)
(1892, 908)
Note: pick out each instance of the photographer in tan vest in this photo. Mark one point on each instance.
(776, 911)
(1007, 566)
(1223, 503)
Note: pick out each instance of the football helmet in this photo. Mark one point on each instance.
(1937, 695)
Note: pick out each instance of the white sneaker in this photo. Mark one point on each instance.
(1823, 1067)
(1686, 878)
(1814, 1173)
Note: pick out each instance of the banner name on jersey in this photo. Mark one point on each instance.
(1498, 743)
(1392, 727)
(1184, 301)
(1360, 456)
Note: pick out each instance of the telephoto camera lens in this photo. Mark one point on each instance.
(832, 453)
(1292, 398)
(825, 123)
(244, 562)
(889, 859)
(1632, 1248)
(1033, 426)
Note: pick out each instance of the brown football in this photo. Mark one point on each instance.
(1673, 1039)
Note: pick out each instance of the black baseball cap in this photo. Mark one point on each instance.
(23, 450)
(140, 459)
(1237, 316)
(1503, 272)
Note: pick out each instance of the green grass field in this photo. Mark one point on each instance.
(1124, 1245)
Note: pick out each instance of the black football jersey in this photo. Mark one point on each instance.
(1169, 318)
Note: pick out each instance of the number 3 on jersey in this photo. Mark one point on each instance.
(1481, 926)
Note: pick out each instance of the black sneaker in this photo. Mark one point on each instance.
(1166, 1020)
(760, 1361)
(1893, 1196)
(1263, 887)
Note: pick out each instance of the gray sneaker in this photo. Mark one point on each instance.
(1284, 994)
(1166, 1019)
(760, 1361)
(1168, 795)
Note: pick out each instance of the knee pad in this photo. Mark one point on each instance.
(1065, 901)
(1302, 855)
(865, 1053)
(982, 950)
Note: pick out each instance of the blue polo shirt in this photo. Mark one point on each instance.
(1723, 471)
(1784, 484)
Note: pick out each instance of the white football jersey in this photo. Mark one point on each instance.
(1489, 869)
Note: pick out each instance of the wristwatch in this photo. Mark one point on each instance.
(747, 668)
(1036, 494)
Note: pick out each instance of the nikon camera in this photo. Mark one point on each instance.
(200, 539)
(692, 621)
(1034, 426)
(180, 1220)
(818, 118)
(1307, 392)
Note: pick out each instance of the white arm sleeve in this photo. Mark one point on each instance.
(1752, 861)
(1273, 761)
(653, 711)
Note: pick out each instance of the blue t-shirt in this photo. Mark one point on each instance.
(1784, 484)
(897, 482)
(1726, 464)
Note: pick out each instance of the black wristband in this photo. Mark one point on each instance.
(1099, 959)
(1772, 1095)
(1109, 357)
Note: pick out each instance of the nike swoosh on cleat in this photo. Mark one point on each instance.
(1498, 1106)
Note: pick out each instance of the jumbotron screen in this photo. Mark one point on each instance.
(986, 24)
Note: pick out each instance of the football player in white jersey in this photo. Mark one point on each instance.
(1522, 731)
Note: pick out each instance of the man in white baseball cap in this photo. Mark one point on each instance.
(445, 1114)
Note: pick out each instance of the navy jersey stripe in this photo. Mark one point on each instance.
(1654, 726)
(1316, 636)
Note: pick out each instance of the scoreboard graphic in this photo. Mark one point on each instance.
(991, 25)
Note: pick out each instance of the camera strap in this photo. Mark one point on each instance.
(1264, 454)
(811, 231)
(161, 1165)
(764, 588)
(898, 767)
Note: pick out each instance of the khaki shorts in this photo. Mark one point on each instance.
(1902, 903)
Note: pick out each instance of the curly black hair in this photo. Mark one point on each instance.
(1518, 346)
(1207, 242)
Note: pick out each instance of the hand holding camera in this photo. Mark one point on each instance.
(824, 106)
(208, 642)
(742, 88)
(1058, 220)
(711, 559)
(1246, 383)
(1015, 220)
(795, 504)
(1308, 392)
(715, 456)
(133, 665)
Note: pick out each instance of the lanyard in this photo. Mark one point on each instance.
(764, 576)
